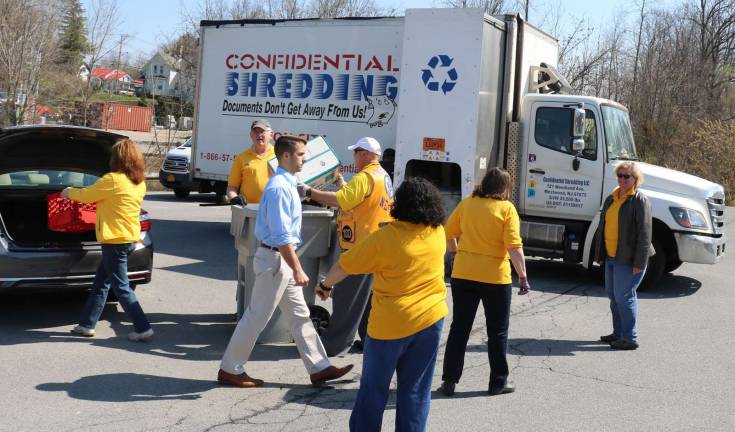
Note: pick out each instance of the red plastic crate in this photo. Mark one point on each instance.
(70, 216)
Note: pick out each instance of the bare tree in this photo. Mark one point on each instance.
(102, 22)
(27, 46)
(491, 7)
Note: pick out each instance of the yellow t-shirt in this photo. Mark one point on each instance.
(250, 173)
(611, 221)
(355, 191)
(118, 207)
(409, 294)
(488, 228)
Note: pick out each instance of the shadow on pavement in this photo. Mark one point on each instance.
(459, 395)
(208, 243)
(327, 396)
(202, 337)
(573, 279)
(546, 347)
(131, 387)
(168, 196)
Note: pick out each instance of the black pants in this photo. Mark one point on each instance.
(466, 296)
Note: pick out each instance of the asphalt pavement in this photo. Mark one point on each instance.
(682, 378)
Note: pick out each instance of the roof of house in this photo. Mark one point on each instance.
(107, 74)
(172, 62)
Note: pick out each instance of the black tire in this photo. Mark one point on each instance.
(672, 265)
(656, 266)
(595, 272)
(181, 193)
(221, 198)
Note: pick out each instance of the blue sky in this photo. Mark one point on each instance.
(148, 23)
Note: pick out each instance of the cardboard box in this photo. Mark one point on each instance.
(321, 163)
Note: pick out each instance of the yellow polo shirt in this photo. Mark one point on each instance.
(355, 191)
(250, 173)
(409, 294)
(118, 207)
(488, 228)
(611, 221)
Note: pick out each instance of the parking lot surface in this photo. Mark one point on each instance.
(682, 378)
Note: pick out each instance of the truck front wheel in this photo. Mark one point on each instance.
(656, 266)
(673, 265)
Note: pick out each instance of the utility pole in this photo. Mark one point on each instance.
(117, 65)
(526, 7)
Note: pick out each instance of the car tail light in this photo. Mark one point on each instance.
(145, 221)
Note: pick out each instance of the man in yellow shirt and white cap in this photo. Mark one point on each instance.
(364, 206)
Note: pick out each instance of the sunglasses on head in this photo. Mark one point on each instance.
(624, 176)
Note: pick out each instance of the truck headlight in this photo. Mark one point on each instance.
(688, 218)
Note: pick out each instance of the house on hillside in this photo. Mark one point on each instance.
(162, 77)
(83, 72)
(112, 80)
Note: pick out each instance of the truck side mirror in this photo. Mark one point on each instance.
(578, 127)
(577, 145)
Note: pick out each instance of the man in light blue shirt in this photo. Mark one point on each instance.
(278, 229)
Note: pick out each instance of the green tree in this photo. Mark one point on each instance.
(72, 37)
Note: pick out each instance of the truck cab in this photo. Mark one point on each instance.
(560, 191)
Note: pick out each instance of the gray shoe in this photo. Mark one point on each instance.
(141, 337)
(83, 331)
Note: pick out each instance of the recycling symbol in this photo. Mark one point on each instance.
(440, 74)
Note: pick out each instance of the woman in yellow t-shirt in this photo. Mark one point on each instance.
(490, 235)
(408, 306)
(118, 195)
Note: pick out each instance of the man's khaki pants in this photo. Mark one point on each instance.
(274, 286)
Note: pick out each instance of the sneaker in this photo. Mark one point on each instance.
(609, 338)
(141, 337)
(83, 331)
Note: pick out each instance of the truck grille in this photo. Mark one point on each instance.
(176, 164)
(716, 204)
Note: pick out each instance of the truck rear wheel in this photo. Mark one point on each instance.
(181, 193)
(655, 268)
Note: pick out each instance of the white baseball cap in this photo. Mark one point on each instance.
(367, 143)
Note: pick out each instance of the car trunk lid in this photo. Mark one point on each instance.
(56, 147)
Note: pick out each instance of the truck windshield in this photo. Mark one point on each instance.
(618, 134)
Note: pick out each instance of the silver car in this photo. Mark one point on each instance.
(36, 161)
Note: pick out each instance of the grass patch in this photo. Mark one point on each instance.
(106, 97)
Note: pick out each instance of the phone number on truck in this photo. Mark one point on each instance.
(223, 157)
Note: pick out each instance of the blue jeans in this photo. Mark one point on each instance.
(621, 285)
(413, 359)
(113, 273)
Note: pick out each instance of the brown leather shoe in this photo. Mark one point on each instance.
(242, 380)
(330, 373)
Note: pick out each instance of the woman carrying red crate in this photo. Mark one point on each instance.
(118, 195)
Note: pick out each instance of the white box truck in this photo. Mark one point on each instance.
(454, 92)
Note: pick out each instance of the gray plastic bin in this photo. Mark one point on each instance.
(316, 243)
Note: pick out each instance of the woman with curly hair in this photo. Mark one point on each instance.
(489, 228)
(408, 307)
(118, 195)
